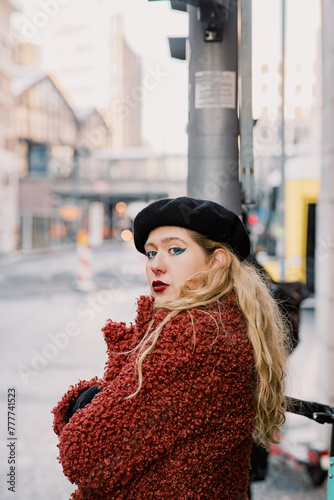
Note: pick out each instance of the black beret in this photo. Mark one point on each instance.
(205, 217)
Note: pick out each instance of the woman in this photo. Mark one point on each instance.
(197, 377)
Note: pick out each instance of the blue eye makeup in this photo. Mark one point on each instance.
(150, 254)
(177, 250)
(172, 251)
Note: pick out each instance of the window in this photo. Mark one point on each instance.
(264, 112)
(298, 112)
(38, 159)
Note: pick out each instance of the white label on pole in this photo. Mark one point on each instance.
(96, 219)
(215, 89)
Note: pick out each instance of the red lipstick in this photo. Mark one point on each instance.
(159, 286)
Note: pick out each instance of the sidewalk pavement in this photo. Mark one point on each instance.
(285, 483)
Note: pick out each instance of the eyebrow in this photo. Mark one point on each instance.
(165, 240)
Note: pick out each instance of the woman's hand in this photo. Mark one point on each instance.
(82, 400)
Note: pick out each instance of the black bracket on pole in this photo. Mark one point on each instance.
(211, 13)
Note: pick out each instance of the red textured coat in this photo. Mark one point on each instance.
(187, 433)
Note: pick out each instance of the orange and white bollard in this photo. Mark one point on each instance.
(84, 281)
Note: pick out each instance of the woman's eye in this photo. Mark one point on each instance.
(150, 254)
(177, 250)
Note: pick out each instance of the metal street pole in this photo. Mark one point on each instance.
(281, 205)
(246, 109)
(213, 166)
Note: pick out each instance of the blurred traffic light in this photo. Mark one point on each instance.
(253, 219)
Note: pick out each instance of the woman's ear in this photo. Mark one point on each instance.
(219, 257)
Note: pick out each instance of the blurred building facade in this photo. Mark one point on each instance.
(89, 57)
(53, 143)
(70, 177)
(91, 72)
(8, 163)
(128, 178)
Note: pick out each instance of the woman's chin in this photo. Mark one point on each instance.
(161, 298)
(159, 301)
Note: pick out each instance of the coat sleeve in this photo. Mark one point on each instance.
(118, 338)
(60, 411)
(192, 384)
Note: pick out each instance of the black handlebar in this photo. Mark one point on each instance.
(315, 411)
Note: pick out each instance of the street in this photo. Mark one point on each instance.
(51, 338)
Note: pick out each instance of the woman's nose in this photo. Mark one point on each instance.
(158, 265)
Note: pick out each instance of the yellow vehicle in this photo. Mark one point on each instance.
(302, 185)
